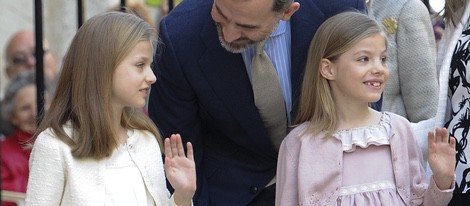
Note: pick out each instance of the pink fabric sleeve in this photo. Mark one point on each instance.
(421, 187)
(286, 177)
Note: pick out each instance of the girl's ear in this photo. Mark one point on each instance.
(327, 69)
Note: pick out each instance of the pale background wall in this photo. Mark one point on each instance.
(59, 22)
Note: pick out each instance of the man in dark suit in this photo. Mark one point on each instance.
(204, 91)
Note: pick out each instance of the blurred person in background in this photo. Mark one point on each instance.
(18, 109)
(20, 56)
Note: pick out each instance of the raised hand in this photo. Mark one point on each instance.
(441, 157)
(180, 169)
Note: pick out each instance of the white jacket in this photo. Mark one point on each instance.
(57, 178)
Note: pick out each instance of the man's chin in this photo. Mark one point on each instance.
(234, 48)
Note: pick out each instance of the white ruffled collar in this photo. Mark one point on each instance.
(364, 136)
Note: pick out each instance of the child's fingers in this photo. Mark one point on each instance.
(190, 151)
(174, 147)
(168, 148)
(444, 135)
(440, 135)
(452, 142)
(431, 138)
(179, 144)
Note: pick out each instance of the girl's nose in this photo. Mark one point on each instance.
(150, 76)
(380, 67)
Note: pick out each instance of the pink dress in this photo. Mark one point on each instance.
(367, 166)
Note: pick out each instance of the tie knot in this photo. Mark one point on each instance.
(260, 47)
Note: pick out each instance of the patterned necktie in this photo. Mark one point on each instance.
(268, 95)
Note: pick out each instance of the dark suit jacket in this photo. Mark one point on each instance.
(203, 92)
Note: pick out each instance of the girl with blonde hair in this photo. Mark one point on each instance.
(95, 146)
(345, 153)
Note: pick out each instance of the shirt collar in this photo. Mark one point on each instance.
(281, 29)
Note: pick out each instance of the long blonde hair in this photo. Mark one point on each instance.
(333, 38)
(83, 95)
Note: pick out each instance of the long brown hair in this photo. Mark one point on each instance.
(450, 9)
(83, 95)
(333, 38)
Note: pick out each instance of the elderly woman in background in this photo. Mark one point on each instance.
(18, 108)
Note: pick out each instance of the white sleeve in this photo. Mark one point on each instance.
(46, 177)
